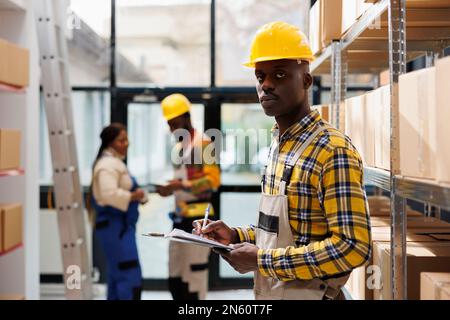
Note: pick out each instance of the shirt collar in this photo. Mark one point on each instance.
(306, 123)
(113, 153)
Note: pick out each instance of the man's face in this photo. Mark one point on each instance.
(282, 85)
(179, 122)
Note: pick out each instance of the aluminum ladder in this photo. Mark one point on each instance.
(53, 55)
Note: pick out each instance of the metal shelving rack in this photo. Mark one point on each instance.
(362, 49)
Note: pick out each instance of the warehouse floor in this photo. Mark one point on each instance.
(56, 292)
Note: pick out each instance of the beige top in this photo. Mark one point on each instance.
(112, 183)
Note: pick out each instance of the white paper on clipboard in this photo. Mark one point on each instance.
(182, 236)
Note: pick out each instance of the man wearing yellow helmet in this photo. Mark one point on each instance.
(313, 226)
(195, 180)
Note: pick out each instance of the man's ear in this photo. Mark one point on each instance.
(307, 80)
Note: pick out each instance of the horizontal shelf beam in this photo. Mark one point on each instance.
(377, 177)
(11, 173)
(423, 191)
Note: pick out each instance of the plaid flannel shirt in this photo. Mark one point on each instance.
(328, 211)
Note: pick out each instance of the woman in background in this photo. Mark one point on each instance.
(116, 197)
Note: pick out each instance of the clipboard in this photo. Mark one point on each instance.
(183, 236)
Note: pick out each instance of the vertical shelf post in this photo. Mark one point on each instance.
(397, 66)
(338, 83)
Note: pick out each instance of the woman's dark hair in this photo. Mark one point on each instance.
(108, 135)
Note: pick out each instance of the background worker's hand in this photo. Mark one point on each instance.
(243, 258)
(178, 184)
(215, 230)
(164, 191)
(137, 195)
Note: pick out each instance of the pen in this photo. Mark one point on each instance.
(206, 215)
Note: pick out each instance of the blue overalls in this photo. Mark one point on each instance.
(116, 231)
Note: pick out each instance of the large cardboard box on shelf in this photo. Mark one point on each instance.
(349, 14)
(354, 122)
(432, 284)
(331, 20)
(9, 149)
(14, 64)
(382, 123)
(325, 18)
(442, 120)
(315, 29)
(421, 257)
(10, 226)
(417, 106)
(370, 112)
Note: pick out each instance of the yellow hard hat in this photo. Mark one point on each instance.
(279, 40)
(175, 105)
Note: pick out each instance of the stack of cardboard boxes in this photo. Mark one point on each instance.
(10, 213)
(11, 58)
(423, 127)
(427, 249)
(367, 123)
(330, 19)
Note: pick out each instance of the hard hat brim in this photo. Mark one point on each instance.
(252, 64)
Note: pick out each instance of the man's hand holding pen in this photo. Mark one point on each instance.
(243, 258)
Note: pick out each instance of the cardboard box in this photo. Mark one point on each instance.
(315, 29)
(385, 77)
(367, 279)
(417, 97)
(331, 20)
(413, 222)
(354, 123)
(14, 64)
(11, 297)
(442, 116)
(370, 109)
(325, 23)
(9, 149)
(421, 257)
(349, 14)
(432, 283)
(323, 110)
(10, 226)
(382, 122)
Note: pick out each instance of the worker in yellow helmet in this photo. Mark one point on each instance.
(195, 180)
(313, 225)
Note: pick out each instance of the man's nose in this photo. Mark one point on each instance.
(267, 85)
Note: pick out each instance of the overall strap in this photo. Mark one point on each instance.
(289, 166)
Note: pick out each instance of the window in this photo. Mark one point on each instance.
(91, 112)
(247, 136)
(89, 25)
(163, 43)
(236, 24)
(237, 209)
